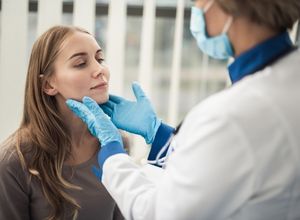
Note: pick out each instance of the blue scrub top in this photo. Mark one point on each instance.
(260, 56)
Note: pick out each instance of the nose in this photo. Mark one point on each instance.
(98, 69)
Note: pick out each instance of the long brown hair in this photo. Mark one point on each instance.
(42, 133)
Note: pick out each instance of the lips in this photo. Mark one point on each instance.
(100, 85)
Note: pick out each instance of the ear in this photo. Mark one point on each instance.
(49, 87)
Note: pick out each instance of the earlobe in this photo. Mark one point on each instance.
(49, 89)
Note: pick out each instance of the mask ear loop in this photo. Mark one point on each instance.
(227, 25)
(228, 22)
(208, 5)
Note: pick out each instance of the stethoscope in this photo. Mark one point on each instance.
(168, 148)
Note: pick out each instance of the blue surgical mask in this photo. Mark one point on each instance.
(218, 47)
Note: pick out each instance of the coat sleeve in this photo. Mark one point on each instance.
(14, 199)
(209, 176)
(117, 214)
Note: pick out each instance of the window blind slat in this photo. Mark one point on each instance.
(147, 47)
(49, 14)
(12, 63)
(116, 44)
(176, 65)
(84, 14)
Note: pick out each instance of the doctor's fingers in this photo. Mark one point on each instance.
(107, 110)
(116, 99)
(81, 111)
(109, 104)
(138, 91)
(95, 109)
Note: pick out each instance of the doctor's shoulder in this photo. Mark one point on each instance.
(253, 106)
(254, 90)
(241, 104)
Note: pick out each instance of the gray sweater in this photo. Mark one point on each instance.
(21, 199)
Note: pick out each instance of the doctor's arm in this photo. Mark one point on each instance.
(209, 176)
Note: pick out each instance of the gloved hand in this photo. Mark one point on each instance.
(135, 117)
(97, 121)
(101, 127)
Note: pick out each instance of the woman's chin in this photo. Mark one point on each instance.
(101, 99)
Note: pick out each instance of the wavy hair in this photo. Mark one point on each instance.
(42, 134)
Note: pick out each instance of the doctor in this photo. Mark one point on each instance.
(237, 154)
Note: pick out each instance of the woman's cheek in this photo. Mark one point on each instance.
(106, 73)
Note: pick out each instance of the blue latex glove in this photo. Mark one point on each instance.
(97, 121)
(135, 117)
(101, 127)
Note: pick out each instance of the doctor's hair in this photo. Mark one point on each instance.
(279, 15)
(42, 133)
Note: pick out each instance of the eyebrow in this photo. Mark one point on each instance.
(82, 54)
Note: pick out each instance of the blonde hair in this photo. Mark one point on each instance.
(278, 15)
(42, 134)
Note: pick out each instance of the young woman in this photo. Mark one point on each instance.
(46, 165)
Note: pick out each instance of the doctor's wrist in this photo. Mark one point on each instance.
(109, 150)
(152, 130)
(162, 136)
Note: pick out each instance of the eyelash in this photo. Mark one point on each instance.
(100, 60)
(81, 65)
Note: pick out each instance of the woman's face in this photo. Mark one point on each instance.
(79, 70)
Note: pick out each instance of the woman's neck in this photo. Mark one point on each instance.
(83, 144)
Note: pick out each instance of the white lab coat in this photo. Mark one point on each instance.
(237, 157)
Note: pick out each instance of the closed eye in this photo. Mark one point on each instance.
(80, 65)
(100, 60)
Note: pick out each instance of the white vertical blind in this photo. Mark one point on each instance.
(176, 65)
(116, 44)
(147, 46)
(12, 63)
(139, 148)
(84, 14)
(49, 14)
